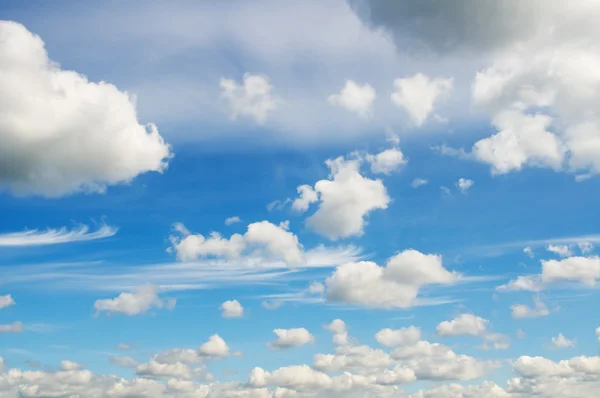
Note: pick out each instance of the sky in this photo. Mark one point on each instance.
(361, 198)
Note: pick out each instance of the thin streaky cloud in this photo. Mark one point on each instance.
(55, 236)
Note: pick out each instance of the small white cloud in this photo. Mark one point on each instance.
(387, 161)
(585, 247)
(232, 220)
(232, 309)
(70, 365)
(340, 332)
(520, 311)
(271, 305)
(123, 361)
(463, 184)
(529, 252)
(561, 342)
(446, 190)
(355, 98)
(418, 182)
(123, 347)
(598, 333)
(6, 301)
(215, 347)
(253, 98)
(467, 324)
(561, 250)
(291, 338)
(306, 196)
(138, 302)
(418, 94)
(398, 337)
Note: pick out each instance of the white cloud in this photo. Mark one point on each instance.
(232, 309)
(140, 301)
(266, 239)
(215, 347)
(306, 196)
(520, 311)
(561, 341)
(464, 184)
(387, 161)
(55, 236)
(522, 140)
(395, 285)
(578, 269)
(355, 98)
(253, 98)
(417, 182)
(340, 332)
(232, 220)
(418, 94)
(70, 365)
(164, 370)
(15, 327)
(529, 252)
(123, 361)
(345, 200)
(598, 333)
(62, 133)
(463, 324)
(585, 247)
(291, 338)
(561, 250)
(6, 301)
(399, 337)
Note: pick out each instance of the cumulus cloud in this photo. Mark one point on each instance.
(598, 333)
(520, 311)
(306, 196)
(463, 184)
(394, 285)
(561, 250)
(345, 200)
(254, 97)
(387, 161)
(232, 309)
(418, 94)
(399, 337)
(62, 133)
(468, 324)
(356, 98)
(561, 341)
(138, 302)
(6, 301)
(291, 338)
(263, 238)
(232, 220)
(340, 332)
(215, 347)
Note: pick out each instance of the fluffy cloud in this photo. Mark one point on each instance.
(63, 133)
(164, 370)
(340, 332)
(387, 161)
(561, 250)
(464, 184)
(561, 341)
(6, 301)
(263, 238)
(345, 200)
(306, 196)
(355, 98)
(520, 311)
(254, 98)
(463, 324)
(232, 309)
(418, 94)
(140, 301)
(598, 333)
(395, 285)
(215, 347)
(398, 337)
(291, 338)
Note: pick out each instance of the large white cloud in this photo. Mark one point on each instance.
(62, 133)
(345, 199)
(394, 285)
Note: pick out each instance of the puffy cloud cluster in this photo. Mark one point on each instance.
(394, 285)
(291, 338)
(138, 302)
(355, 98)
(262, 239)
(62, 133)
(232, 309)
(253, 98)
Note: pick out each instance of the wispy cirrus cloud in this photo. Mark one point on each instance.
(56, 236)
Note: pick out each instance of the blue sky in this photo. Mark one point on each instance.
(436, 183)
